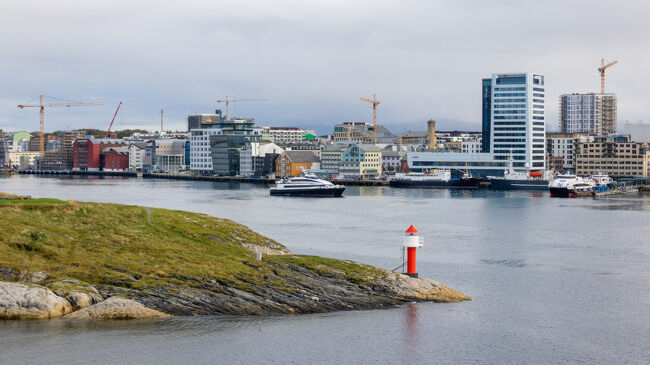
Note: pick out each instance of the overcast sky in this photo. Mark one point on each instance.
(311, 59)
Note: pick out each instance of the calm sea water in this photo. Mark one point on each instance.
(552, 280)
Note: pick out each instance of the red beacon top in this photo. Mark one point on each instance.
(411, 229)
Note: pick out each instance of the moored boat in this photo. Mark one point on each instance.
(569, 185)
(436, 179)
(308, 186)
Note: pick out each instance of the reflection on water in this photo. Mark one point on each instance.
(552, 280)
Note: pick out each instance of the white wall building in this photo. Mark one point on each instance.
(286, 134)
(255, 149)
(200, 155)
(471, 146)
(137, 152)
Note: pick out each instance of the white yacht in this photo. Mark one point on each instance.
(566, 185)
(307, 185)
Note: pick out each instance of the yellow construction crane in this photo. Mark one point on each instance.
(374, 114)
(228, 101)
(601, 69)
(42, 112)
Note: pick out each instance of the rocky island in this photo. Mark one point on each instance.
(96, 260)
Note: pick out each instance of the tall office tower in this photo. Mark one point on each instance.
(487, 115)
(588, 113)
(513, 119)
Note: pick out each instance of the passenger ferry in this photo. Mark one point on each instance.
(568, 185)
(308, 185)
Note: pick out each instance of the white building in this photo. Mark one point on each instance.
(560, 150)
(588, 113)
(137, 152)
(286, 134)
(254, 149)
(391, 161)
(200, 155)
(471, 146)
(517, 119)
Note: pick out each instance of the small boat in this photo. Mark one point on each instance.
(307, 185)
(440, 179)
(602, 182)
(569, 185)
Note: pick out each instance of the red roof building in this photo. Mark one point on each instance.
(115, 158)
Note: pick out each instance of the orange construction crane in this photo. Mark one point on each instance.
(228, 101)
(374, 114)
(601, 69)
(42, 112)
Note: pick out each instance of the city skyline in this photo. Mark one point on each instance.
(312, 61)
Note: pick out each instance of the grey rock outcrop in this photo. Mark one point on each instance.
(22, 301)
(116, 308)
(33, 277)
(79, 294)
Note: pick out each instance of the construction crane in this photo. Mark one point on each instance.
(42, 112)
(228, 101)
(374, 114)
(112, 120)
(601, 69)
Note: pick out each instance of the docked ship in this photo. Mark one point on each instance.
(521, 180)
(307, 185)
(569, 185)
(440, 179)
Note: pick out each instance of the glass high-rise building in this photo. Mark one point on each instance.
(514, 119)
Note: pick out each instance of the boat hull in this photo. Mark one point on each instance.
(503, 184)
(472, 183)
(560, 193)
(310, 192)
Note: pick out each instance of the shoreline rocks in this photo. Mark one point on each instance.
(116, 308)
(23, 301)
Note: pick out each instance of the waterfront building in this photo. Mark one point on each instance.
(331, 156)
(590, 113)
(361, 161)
(167, 155)
(115, 158)
(23, 159)
(517, 120)
(252, 156)
(615, 155)
(293, 163)
(200, 152)
(281, 135)
(391, 161)
(137, 156)
(560, 150)
(59, 152)
(86, 152)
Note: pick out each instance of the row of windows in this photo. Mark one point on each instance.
(497, 95)
(509, 100)
(509, 89)
(512, 151)
(515, 117)
(509, 134)
(509, 140)
(538, 129)
(538, 112)
(538, 123)
(538, 89)
(509, 123)
(538, 95)
(510, 106)
(541, 101)
(509, 112)
(510, 128)
(509, 145)
(538, 106)
(538, 118)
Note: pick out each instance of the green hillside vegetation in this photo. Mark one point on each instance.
(140, 248)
